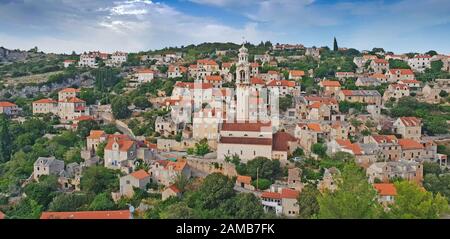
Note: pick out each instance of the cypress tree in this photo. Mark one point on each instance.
(335, 45)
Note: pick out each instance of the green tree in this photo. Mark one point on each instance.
(412, 202)
(266, 168)
(285, 102)
(69, 202)
(5, 139)
(102, 201)
(438, 183)
(202, 147)
(119, 107)
(27, 208)
(262, 183)
(215, 188)
(335, 45)
(178, 210)
(98, 179)
(247, 206)
(141, 102)
(307, 202)
(354, 197)
(319, 149)
(84, 127)
(42, 192)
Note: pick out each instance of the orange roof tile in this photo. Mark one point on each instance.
(330, 83)
(174, 188)
(281, 141)
(70, 90)
(410, 121)
(120, 214)
(408, 144)
(96, 134)
(177, 166)
(213, 78)
(257, 81)
(271, 195)
(7, 104)
(206, 62)
(289, 193)
(45, 101)
(145, 71)
(244, 179)
(140, 174)
(315, 105)
(297, 73)
(385, 189)
(255, 127)
(402, 71)
(2, 215)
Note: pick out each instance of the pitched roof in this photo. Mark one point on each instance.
(254, 127)
(281, 83)
(257, 81)
(385, 189)
(289, 193)
(2, 215)
(380, 61)
(297, 73)
(192, 85)
(401, 86)
(174, 188)
(410, 121)
(409, 144)
(206, 62)
(213, 78)
(245, 141)
(73, 100)
(378, 76)
(45, 101)
(280, 141)
(410, 81)
(227, 64)
(384, 138)
(140, 174)
(330, 83)
(70, 90)
(124, 142)
(178, 166)
(244, 179)
(402, 71)
(271, 195)
(360, 92)
(145, 71)
(347, 144)
(7, 104)
(119, 214)
(96, 134)
(315, 105)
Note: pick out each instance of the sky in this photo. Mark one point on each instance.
(63, 26)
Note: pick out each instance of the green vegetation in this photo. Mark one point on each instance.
(354, 197)
(434, 116)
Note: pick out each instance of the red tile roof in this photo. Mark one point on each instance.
(177, 166)
(385, 189)
(402, 71)
(271, 195)
(120, 214)
(245, 141)
(96, 134)
(257, 81)
(145, 71)
(73, 100)
(384, 138)
(297, 73)
(2, 215)
(207, 62)
(192, 85)
(330, 83)
(315, 105)
(289, 193)
(380, 61)
(254, 127)
(70, 90)
(409, 144)
(281, 140)
(124, 142)
(140, 174)
(347, 144)
(281, 83)
(45, 101)
(213, 78)
(244, 179)
(311, 126)
(7, 104)
(410, 121)
(174, 188)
